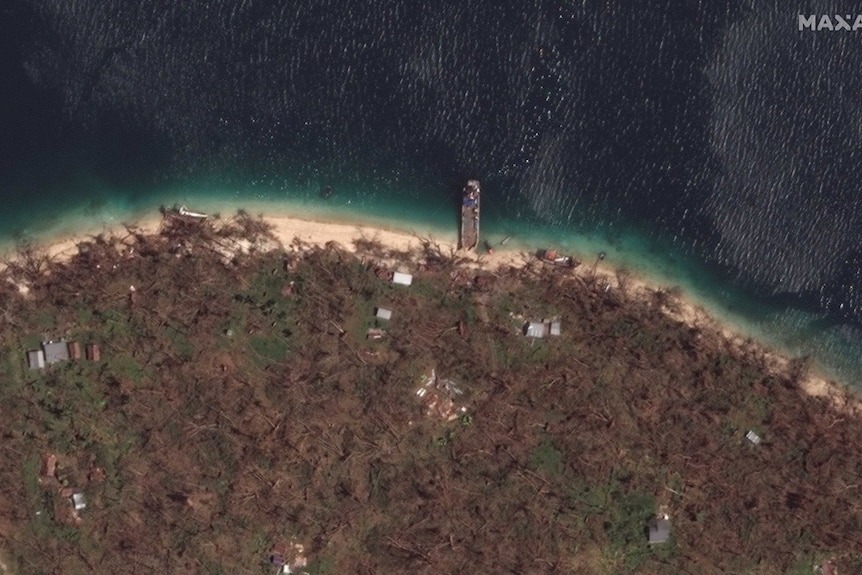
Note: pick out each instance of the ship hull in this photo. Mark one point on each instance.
(469, 237)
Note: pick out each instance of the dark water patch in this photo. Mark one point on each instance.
(785, 206)
(30, 115)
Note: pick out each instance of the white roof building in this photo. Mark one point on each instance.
(402, 278)
(659, 530)
(36, 359)
(55, 351)
(382, 313)
(753, 438)
(535, 329)
(542, 328)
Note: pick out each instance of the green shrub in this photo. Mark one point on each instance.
(271, 348)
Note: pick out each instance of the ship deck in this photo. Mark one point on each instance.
(469, 238)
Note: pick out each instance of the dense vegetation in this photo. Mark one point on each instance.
(239, 409)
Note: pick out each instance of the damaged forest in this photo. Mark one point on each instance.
(251, 410)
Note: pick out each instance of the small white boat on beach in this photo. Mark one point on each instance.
(183, 211)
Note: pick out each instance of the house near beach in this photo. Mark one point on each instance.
(94, 353)
(52, 352)
(753, 438)
(382, 313)
(541, 329)
(78, 501)
(55, 351)
(36, 359)
(58, 351)
(399, 278)
(658, 530)
(402, 278)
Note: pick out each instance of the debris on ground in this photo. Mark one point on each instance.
(438, 397)
(290, 558)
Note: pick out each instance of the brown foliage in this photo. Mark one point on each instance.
(254, 415)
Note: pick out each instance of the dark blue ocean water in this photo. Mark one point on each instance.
(712, 144)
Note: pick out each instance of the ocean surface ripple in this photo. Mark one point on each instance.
(718, 133)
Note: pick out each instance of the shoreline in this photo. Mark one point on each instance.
(689, 311)
(320, 229)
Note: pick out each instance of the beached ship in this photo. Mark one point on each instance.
(469, 238)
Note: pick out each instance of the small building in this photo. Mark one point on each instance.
(93, 352)
(78, 501)
(276, 559)
(55, 351)
(534, 329)
(658, 530)
(402, 278)
(382, 313)
(49, 465)
(74, 350)
(375, 334)
(753, 438)
(36, 359)
(542, 328)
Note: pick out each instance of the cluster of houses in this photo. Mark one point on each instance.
(56, 351)
(438, 395)
(536, 329)
(52, 478)
(399, 278)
